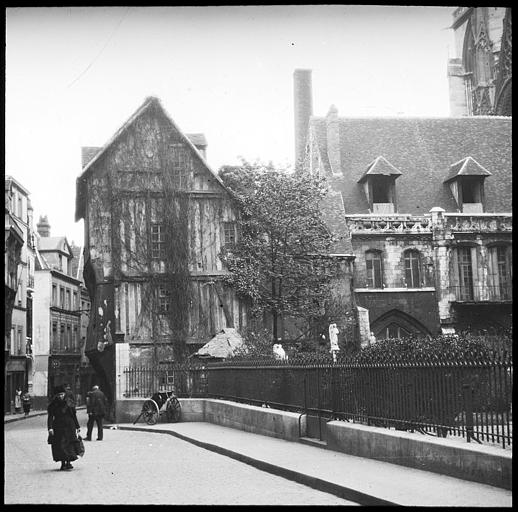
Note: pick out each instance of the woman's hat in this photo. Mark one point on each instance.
(59, 389)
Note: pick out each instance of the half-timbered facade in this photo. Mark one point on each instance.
(156, 218)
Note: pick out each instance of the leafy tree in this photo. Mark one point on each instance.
(279, 261)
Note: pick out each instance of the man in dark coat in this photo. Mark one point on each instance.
(96, 405)
(63, 429)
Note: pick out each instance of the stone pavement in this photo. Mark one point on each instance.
(362, 480)
(139, 468)
(358, 479)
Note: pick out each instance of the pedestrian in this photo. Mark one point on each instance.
(26, 402)
(63, 429)
(69, 397)
(17, 401)
(96, 405)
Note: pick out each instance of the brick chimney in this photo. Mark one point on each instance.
(43, 227)
(333, 140)
(303, 108)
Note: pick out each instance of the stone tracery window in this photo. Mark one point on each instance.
(412, 268)
(374, 268)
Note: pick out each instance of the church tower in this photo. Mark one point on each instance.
(480, 77)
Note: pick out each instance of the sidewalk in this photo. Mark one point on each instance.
(362, 480)
(9, 418)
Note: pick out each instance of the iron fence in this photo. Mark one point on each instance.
(183, 380)
(470, 399)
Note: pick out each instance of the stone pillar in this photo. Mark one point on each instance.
(457, 89)
(121, 363)
(364, 326)
(441, 264)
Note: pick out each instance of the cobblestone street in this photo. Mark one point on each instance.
(139, 468)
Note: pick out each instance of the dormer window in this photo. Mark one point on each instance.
(379, 184)
(466, 182)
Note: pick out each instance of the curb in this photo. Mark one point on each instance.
(34, 415)
(343, 492)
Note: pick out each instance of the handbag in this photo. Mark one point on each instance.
(79, 446)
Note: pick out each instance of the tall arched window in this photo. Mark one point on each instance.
(500, 272)
(465, 269)
(374, 269)
(412, 269)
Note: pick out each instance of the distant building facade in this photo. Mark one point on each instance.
(480, 76)
(19, 352)
(156, 217)
(57, 317)
(87, 373)
(424, 205)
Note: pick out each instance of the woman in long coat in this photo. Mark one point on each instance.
(63, 429)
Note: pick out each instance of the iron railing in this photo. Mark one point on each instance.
(184, 380)
(477, 293)
(469, 398)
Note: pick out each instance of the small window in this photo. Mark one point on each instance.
(62, 336)
(374, 269)
(157, 242)
(54, 295)
(381, 189)
(54, 333)
(67, 303)
(164, 299)
(61, 298)
(412, 269)
(229, 229)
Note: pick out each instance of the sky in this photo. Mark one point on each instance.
(74, 75)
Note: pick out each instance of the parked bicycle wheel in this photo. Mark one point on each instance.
(150, 411)
(173, 410)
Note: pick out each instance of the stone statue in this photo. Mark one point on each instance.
(333, 340)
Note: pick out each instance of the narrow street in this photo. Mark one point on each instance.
(139, 468)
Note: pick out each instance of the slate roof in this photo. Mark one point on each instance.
(87, 153)
(52, 243)
(222, 345)
(198, 139)
(77, 262)
(423, 149)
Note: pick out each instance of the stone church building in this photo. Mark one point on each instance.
(424, 206)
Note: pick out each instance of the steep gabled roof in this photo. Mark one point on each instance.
(150, 102)
(466, 167)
